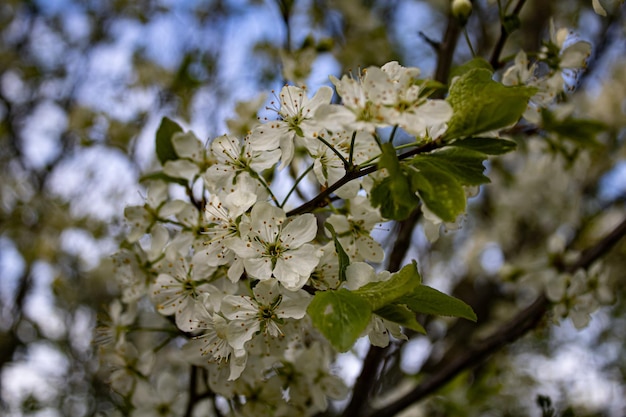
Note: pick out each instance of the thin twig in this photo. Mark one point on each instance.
(504, 35)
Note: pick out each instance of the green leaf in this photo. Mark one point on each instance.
(481, 104)
(464, 164)
(402, 315)
(344, 259)
(440, 191)
(428, 300)
(393, 194)
(164, 148)
(477, 62)
(489, 146)
(381, 293)
(341, 316)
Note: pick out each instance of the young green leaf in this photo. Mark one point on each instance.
(440, 191)
(489, 146)
(341, 316)
(428, 300)
(464, 164)
(344, 259)
(164, 148)
(381, 293)
(481, 104)
(402, 315)
(393, 194)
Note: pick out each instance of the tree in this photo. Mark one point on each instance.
(255, 259)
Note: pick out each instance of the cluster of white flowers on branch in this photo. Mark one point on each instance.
(264, 292)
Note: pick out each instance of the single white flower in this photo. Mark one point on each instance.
(193, 157)
(141, 219)
(296, 119)
(113, 329)
(233, 158)
(270, 249)
(211, 346)
(407, 106)
(178, 289)
(362, 100)
(325, 276)
(127, 365)
(224, 215)
(354, 230)
(265, 312)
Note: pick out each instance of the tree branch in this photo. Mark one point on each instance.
(509, 332)
(323, 198)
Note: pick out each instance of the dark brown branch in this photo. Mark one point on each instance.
(590, 255)
(446, 51)
(365, 381)
(511, 331)
(193, 391)
(323, 198)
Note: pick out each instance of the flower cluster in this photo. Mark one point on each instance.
(235, 266)
(560, 59)
(235, 272)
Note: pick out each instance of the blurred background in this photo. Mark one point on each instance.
(84, 85)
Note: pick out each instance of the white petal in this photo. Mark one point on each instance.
(597, 7)
(300, 230)
(334, 117)
(266, 221)
(264, 138)
(294, 305)
(265, 292)
(574, 56)
(359, 274)
(239, 332)
(181, 168)
(239, 307)
(260, 268)
(187, 145)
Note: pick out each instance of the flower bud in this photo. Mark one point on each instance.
(461, 9)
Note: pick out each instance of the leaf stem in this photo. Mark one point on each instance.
(469, 42)
(256, 176)
(295, 185)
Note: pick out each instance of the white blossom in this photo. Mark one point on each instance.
(265, 312)
(295, 113)
(270, 249)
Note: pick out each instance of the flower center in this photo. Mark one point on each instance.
(274, 250)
